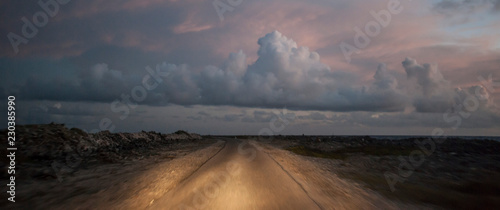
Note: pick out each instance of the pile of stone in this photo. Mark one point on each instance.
(41, 148)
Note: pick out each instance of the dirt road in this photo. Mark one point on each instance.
(227, 174)
(238, 177)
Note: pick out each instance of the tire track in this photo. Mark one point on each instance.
(193, 172)
(290, 175)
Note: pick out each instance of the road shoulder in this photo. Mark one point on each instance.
(325, 187)
(132, 184)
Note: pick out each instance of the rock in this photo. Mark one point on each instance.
(42, 145)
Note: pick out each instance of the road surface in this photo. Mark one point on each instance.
(240, 177)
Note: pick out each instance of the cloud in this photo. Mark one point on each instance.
(425, 79)
(99, 84)
(317, 116)
(284, 75)
(469, 6)
(465, 11)
(430, 92)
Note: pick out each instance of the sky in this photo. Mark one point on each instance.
(260, 67)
